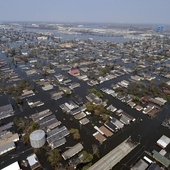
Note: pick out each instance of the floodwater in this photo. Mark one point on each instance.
(64, 36)
(146, 132)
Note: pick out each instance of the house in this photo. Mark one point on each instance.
(111, 126)
(99, 137)
(140, 165)
(56, 137)
(163, 160)
(47, 87)
(74, 72)
(72, 151)
(147, 109)
(163, 142)
(111, 108)
(117, 123)
(6, 147)
(157, 100)
(27, 93)
(132, 104)
(33, 162)
(84, 121)
(13, 166)
(138, 107)
(105, 131)
(6, 111)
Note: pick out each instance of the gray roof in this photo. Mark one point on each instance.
(46, 119)
(140, 165)
(163, 160)
(6, 147)
(59, 142)
(41, 116)
(3, 133)
(55, 131)
(154, 166)
(45, 125)
(72, 151)
(111, 126)
(58, 136)
(7, 126)
(6, 108)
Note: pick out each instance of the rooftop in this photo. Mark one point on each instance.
(72, 151)
(13, 166)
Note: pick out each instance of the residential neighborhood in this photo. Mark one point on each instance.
(72, 103)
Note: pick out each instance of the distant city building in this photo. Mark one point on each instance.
(159, 29)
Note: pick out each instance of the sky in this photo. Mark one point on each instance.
(107, 11)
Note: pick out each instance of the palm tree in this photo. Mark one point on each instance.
(22, 123)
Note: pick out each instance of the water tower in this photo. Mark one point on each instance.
(37, 138)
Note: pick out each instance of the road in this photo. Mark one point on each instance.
(113, 157)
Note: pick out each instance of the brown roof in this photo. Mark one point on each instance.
(138, 107)
(99, 137)
(166, 91)
(106, 131)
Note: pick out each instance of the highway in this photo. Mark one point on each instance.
(113, 157)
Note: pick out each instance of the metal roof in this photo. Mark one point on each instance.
(13, 166)
(6, 108)
(72, 151)
(37, 135)
(6, 147)
(163, 160)
(140, 165)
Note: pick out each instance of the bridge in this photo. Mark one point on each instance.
(114, 156)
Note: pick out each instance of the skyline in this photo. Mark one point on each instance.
(97, 11)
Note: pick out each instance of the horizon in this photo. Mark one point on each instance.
(78, 11)
(81, 22)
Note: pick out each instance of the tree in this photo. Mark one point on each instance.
(90, 107)
(54, 157)
(76, 134)
(95, 91)
(26, 126)
(87, 157)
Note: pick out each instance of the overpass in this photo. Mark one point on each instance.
(114, 156)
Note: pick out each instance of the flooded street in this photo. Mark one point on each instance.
(144, 130)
